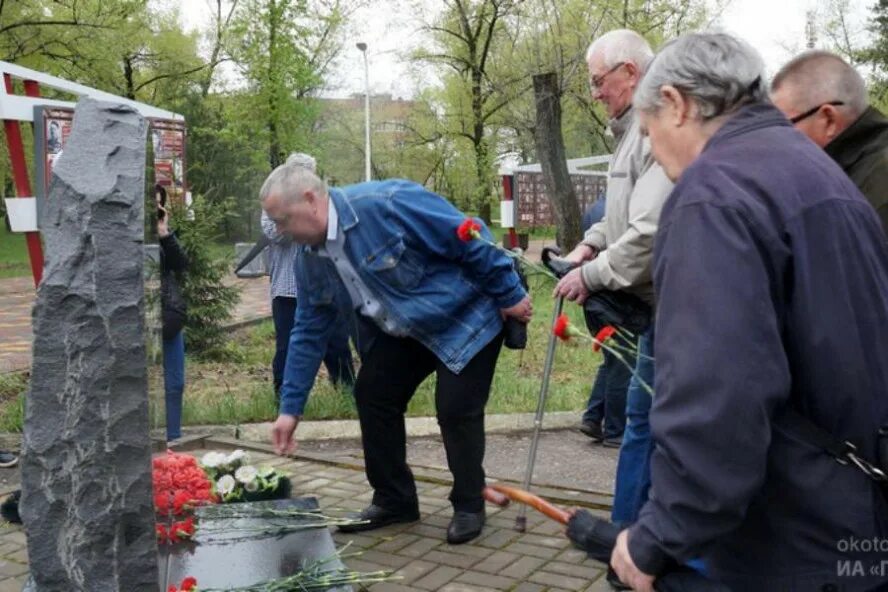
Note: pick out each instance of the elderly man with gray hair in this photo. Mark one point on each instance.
(616, 254)
(826, 99)
(282, 253)
(388, 255)
(771, 405)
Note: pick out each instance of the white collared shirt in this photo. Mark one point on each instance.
(361, 296)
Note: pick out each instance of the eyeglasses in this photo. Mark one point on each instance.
(597, 81)
(810, 112)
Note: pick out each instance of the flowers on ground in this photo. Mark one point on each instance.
(179, 486)
(189, 584)
(237, 481)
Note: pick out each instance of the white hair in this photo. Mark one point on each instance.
(292, 178)
(621, 46)
(306, 161)
(717, 71)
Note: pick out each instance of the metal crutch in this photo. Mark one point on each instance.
(559, 268)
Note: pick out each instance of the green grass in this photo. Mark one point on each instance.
(240, 390)
(14, 260)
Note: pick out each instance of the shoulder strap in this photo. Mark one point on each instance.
(801, 428)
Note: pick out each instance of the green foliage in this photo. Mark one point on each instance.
(12, 401)
(14, 262)
(210, 301)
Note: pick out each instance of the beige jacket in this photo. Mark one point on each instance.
(637, 188)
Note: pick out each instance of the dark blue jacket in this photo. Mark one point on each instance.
(771, 274)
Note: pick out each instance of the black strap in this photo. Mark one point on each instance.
(801, 428)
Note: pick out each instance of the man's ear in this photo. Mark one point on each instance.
(833, 122)
(676, 108)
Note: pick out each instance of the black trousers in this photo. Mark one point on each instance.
(391, 371)
(337, 359)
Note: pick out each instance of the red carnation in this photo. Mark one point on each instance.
(562, 328)
(188, 584)
(468, 230)
(606, 333)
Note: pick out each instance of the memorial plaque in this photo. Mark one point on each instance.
(230, 550)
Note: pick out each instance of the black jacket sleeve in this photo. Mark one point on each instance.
(174, 257)
(721, 373)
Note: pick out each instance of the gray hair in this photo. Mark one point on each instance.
(719, 72)
(620, 46)
(292, 178)
(816, 77)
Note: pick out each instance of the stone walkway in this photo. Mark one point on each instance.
(539, 560)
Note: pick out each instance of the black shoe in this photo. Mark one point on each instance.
(612, 442)
(593, 430)
(373, 517)
(464, 526)
(7, 459)
(614, 581)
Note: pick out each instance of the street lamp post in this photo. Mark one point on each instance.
(363, 47)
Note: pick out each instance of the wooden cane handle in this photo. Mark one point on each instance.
(534, 501)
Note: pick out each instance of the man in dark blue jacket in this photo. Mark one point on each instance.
(387, 254)
(771, 275)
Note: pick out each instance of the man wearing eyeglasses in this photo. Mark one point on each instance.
(826, 99)
(616, 254)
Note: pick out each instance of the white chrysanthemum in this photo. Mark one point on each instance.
(246, 474)
(238, 456)
(225, 485)
(266, 471)
(213, 460)
(251, 486)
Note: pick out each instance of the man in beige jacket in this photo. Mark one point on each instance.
(617, 252)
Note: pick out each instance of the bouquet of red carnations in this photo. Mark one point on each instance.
(180, 485)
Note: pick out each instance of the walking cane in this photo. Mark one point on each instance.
(598, 538)
(559, 268)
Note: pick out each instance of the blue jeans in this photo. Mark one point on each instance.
(607, 400)
(337, 359)
(633, 468)
(174, 383)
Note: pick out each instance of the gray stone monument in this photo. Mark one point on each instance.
(86, 460)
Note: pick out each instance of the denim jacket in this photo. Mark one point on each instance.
(401, 239)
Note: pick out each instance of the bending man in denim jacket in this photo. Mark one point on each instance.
(387, 254)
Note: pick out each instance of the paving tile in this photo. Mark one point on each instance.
(558, 581)
(533, 551)
(437, 578)
(486, 580)
(521, 568)
(496, 562)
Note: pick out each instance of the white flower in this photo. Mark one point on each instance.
(246, 474)
(225, 485)
(236, 457)
(251, 486)
(213, 460)
(266, 471)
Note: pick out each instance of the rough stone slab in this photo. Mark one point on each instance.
(86, 461)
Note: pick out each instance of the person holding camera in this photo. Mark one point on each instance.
(173, 263)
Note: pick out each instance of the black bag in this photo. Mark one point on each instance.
(617, 308)
(515, 332)
(173, 311)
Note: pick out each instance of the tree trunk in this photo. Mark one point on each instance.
(550, 148)
(482, 156)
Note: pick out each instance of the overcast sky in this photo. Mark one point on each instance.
(775, 27)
